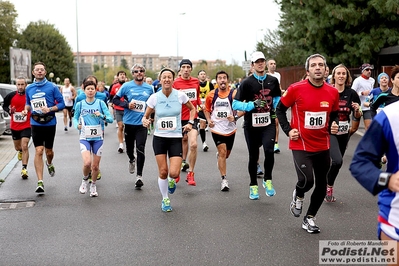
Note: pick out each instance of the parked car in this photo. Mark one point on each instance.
(4, 90)
(2, 120)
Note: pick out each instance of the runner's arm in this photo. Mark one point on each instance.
(281, 112)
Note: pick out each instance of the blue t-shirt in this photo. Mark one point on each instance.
(92, 125)
(132, 92)
(43, 94)
(99, 95)
(377, 91)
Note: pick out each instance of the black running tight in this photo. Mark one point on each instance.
(136, 135)
(312, 168)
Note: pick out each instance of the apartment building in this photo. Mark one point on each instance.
(152, 62)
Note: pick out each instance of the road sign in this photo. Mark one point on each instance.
(246, 65)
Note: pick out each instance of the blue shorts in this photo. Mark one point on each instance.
(94, 146)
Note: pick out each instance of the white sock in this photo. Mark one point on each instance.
(163, 187)
(121, 145)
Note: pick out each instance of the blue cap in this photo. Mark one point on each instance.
(381, 75)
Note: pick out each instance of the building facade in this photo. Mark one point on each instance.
(152, 62)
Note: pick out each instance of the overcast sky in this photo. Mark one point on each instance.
(203, 29)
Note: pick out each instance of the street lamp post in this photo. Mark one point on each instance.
(77, 46)
(105, 67)
(57, 80)
(177, 39)
(51, 76)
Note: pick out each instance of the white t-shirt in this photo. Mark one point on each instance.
(361, 84)
(276, 75)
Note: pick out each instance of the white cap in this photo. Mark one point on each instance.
(256, 56)
(213, 81)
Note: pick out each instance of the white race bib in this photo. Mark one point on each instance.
(139, 106)
(93, 131)
(343, 127)
(261, 119)
(221, 113)
(167, 123)
(38, 103)
(191, 94)
(315, 120)
(18, 117)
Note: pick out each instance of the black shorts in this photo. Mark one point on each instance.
(69, 108)
(19, 134)
(201, 115)
(171, 146)
(43, 136)
(228, 140)
(185, 122)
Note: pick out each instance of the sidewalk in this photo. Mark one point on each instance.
(8, 155)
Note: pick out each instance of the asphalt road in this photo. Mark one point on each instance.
(124, 226)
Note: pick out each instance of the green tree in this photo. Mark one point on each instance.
(49, 46)
(8, 33)
(124, 63)
(345, 31)
(272, 47)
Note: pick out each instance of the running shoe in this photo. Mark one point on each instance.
(184, 166)
(276, 148)
(70, 123)
(296, 204)
(132, 167)
(269, 189)
(65, 129)
(166, 205)
(139, 183)
(177, 179)
(253, 192)
(99, 175)
(93, 190)
(19, 155)
(259, 170)
(309, 225)
(205, 147)
(329, 195)
(51, 169)
(224, 185)
(171, 185)
(190, 179)
(83, 186)
(24, 173)
(40, 187)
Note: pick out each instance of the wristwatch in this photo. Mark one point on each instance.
(191, 122)
(383, 179)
